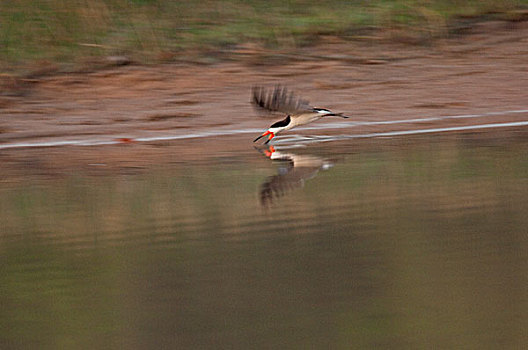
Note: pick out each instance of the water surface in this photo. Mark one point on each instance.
(416, 242)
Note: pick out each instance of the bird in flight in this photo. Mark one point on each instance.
(297, 111)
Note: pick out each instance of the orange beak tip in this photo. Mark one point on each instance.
(271, 135)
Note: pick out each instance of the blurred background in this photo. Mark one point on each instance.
(60, 32)
(135, 212)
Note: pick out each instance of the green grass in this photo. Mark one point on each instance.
(68, 32)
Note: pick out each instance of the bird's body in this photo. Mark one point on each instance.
(298, 111)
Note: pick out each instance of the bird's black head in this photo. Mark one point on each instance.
(281, 123)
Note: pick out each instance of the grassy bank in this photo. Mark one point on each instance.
(68, 32)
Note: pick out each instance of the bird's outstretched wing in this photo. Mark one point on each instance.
(278, 100)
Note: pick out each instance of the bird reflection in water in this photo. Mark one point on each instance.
(295, 170)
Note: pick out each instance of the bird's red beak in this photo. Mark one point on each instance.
(271, 135)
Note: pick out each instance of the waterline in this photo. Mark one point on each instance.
(118, 139)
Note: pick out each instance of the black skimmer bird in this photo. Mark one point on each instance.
(297, 111)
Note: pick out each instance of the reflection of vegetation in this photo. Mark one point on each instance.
(54, 299)
(420, 246)
(64, 31)
(187, 200)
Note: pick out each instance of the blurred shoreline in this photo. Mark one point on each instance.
(481, 72)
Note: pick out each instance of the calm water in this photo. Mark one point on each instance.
(411, 243)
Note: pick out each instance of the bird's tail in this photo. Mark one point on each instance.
(340, 115)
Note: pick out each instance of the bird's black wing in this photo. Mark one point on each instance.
(278, 100)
